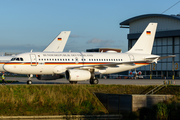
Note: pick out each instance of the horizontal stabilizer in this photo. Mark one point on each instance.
(164, 57)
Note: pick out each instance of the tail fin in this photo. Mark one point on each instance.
(145, 42)
(58, 44)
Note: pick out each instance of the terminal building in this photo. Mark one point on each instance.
(167, 42)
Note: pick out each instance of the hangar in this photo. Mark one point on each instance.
(167, 42)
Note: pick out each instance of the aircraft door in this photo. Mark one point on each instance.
(131, 57)
(33, 60)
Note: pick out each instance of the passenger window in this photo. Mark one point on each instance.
(72, 59)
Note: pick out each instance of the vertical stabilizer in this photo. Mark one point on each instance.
(145, 42)
(58, 44)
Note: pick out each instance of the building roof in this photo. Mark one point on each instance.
(128, 21)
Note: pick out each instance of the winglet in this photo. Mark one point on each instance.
(145, 42)
(58, 44)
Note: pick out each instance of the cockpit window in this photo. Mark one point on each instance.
(17, 59)
(13, 59)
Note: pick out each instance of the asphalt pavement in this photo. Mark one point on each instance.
(23, 80)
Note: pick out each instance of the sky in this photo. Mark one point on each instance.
(33, 24)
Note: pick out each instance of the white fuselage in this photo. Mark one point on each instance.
(57, 63)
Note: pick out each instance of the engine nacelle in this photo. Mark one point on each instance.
(49, 77)
(77, 75)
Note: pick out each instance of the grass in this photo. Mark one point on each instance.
(74, 99)
(48, 100)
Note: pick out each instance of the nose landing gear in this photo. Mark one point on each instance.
(29, 82)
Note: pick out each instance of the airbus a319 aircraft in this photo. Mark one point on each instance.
(81, 66)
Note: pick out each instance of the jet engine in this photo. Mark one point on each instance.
(77, 75)
(49, 77)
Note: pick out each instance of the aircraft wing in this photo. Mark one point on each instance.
(105, 65)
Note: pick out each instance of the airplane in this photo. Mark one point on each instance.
(57, 45)
(82, 66)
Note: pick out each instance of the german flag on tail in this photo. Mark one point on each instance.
(59, 38)
(148, 32)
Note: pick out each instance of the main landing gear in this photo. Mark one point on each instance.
(29, 82)
(94, 81)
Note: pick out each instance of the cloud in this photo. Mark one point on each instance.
(100, 43)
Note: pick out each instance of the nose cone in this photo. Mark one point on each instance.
(7, 67)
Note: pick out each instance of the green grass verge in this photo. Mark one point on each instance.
(48, 100)
(67, 99)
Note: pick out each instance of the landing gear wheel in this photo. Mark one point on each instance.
(91, 81)
(73, 82)
(29, 82)
(94, 81)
